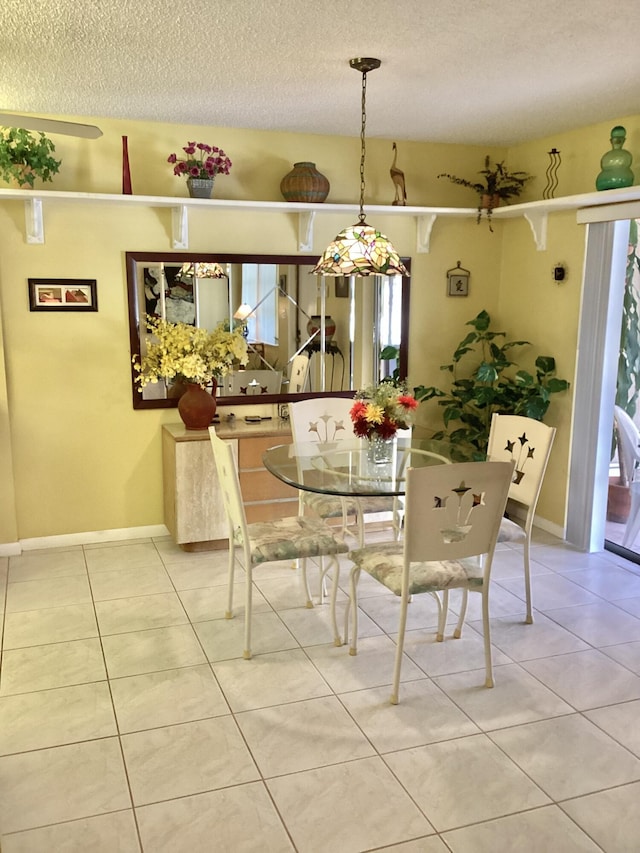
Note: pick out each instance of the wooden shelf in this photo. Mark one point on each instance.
(535, 212)
(34, 220)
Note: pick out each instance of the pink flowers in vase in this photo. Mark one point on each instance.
(202, 161)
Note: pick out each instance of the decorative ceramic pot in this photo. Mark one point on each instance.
(305, 183)
(197, 406)
(200, 187)
(616, 164)
(315, 325)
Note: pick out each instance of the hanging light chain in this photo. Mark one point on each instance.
(361, 217)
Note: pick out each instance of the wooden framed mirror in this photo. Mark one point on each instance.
(307, 336)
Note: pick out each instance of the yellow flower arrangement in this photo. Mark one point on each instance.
(180, 352)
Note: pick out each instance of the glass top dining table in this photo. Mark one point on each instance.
(346, 467)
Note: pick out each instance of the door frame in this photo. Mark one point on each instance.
(596, 375)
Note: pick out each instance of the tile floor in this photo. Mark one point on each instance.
(129, 721)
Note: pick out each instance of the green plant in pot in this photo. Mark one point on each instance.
(497, 184)
(493, 382)
(25, 156)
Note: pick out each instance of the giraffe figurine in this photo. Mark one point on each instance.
(397, 176)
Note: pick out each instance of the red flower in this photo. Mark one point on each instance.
(357, 410)
(387, 429)
(407, 402)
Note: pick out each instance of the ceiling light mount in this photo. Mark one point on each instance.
(361, 249)
(365, 64)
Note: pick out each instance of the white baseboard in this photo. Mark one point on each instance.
(90, 537)
(542, 523)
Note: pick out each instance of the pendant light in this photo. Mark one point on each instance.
(361, 249)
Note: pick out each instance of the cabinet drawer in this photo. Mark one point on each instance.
(262, 485)
(271, 511)
(251, 450)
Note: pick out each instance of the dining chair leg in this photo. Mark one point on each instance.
(230, 575)
(443, 609)
(404, 603)
(305, 580)
(462, 615)
(337, 639)
(463, 612)
(487, 639)
(353, 604)
(527, 583)
(246, 654)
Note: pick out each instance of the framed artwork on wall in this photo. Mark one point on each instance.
(458, 281)
(63, 294)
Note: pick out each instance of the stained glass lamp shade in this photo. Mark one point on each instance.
(361, 249)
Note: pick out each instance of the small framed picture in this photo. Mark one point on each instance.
(63, 294)
(458, 281)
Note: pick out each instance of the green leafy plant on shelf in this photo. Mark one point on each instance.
(628, 382)
(26, 156)
(492, 382)
(497, 184)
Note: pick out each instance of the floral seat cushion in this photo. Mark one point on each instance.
(291, 538)
(385, 563)
(329, 506)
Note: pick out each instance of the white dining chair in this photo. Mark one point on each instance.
(452, 519)
(528, 444)
(252, 383)
(326, 421)
(285, 539)
(628, 437)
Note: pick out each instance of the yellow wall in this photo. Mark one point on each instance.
(82, 458)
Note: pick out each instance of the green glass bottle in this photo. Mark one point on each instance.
(615, 164)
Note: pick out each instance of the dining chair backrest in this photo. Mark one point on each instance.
(298, 373)
(321, 420)
(229, 485)
(628, 445)
(252, 383)
(528, 443)
(454, 511)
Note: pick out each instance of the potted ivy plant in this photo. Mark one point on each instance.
(25, 156)
(492, 382)
(497, 184)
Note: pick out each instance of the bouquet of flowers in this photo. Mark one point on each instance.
(381, 410)
(183, 353)
(202, 161)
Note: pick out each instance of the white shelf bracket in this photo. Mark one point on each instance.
(180, 227)
(305, 231)
(424, 224)
(538, 222)
(33, 220)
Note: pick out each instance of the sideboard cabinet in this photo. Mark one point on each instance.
(193, 507)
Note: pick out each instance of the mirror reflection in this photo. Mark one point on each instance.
(306, 335)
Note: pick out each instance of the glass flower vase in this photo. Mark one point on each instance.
(380, 450)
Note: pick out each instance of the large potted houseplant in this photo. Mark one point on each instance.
(25, 156)
(491, 382)
(497, 184)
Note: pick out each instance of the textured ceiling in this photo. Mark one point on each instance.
(491, 72)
